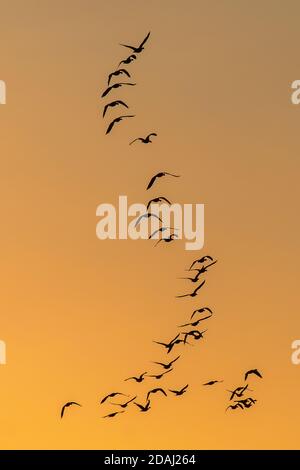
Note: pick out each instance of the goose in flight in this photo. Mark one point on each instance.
(195, 323)
(179, 392)
(140, 48)
(111, 395)
(159, 376)
(234, 407)
(213, 382)
(147, 215)
(144, 140)
(127, 61)
(124, 405)
(253, 372)
(118, 119)
(142, 408)
(160, 230)
(69, 403)
(159, 175)
(113, 104)
(115, 86)
(139, 378)
(201, 260)
(201, 310)
(156, 390)
(171, 238)
(169, 365)
(112, 415)
(116, 73)
(158, 199)
(238, 392)
(193, 294)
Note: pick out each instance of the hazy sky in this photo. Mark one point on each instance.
(79, 315)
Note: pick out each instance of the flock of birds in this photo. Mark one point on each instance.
(188, 331)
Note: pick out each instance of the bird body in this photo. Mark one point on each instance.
(213, 382)
(168, 239)
(143, 408)
(112, 415)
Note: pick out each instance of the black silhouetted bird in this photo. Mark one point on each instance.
(169, 345)
(195, 323)
(142, 408)
(112, 415)
(247, 403)
(116, 73)
(124, 405)
(139, 378)
(169, 239)
(160, 230)
(127, 61)
(179, 392)
(238, 392)
(113, 104)
(196, 334)
(254, 372)
(193, 294)
(213, 382)
(167, 366)
(201, 260)
(144, 140)
(200, 271)
(156, 390)
(140, 48)
(201, 310)
(111, 395)
(234, 407)
(159, 376)
(118, 119)
(69, 403)
(147, 215)
(160, 175)
(158, 199)
(114, 86)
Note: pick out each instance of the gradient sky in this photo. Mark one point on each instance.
(78, 314)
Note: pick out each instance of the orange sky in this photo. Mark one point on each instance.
(79, 314)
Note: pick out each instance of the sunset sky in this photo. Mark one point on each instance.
(79, 314)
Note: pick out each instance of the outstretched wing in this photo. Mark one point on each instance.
(106, 92)
(129, 47)
(146, 39)
(62, 411)
(151, 182)
(111, 125)
(135, 140)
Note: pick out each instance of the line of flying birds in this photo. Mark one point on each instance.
(200, 266)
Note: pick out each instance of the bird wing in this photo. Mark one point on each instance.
(184, 388)
(146, 39)
(106, 92)
(109, 77)
(129, 47)
(130, 378)
(105, 109)
(151, 182)
(111, 125)
(140, 218)
(62, 411)
(138, 138)
(122, 103)
(152, 133)
(125, 72)
(140, 406)
(104, 399)
(171, 174)
(174, 360)
(199, 287)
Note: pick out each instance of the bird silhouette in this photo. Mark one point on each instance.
(247, 403)
(127, 61)
(142, 408)
(195, 323)
(144, 140)
(124, 405)
(112, 415)
(201, 260)
(160, 175)
(66, 405)
(179, 392)
(158, 199)
(168, 365)
(139, 378)
(140, 48)
(169, 345)
(196, 334)
(147, 215)
(169, 239)
(111, 395)
(118, 119)
(234, 407)
(254, 372)
(213, 382)
(160, 230)
(116, 73)
(159, 376)
(200, 271)
(156, 390)
(113, 104)
(238, 392)
(193, 294)
(114, 86)
(201, 310)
